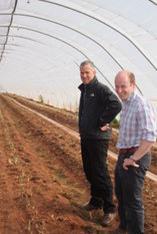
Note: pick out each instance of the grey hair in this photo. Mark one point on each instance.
(86, 62)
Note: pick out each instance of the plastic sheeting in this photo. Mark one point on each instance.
(42, 43)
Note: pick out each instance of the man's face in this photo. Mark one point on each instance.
(123, 86)
(87, 73)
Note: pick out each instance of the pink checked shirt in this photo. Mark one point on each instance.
(137, 122)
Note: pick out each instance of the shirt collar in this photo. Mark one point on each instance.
(130, 98)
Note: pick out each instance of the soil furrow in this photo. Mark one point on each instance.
(42, 181)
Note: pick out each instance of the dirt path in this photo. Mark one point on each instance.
(69, 119)
(76, 135)
(41, 179)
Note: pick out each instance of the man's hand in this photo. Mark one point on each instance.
(105, 127)
(129, 162)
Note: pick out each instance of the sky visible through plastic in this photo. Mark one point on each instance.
(43, 42)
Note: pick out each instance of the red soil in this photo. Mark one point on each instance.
(41, 178)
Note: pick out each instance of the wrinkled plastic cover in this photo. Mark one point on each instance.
(43, 42)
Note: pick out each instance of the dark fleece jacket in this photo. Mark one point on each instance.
(98, 106)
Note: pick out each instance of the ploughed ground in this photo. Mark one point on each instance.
(42, 182)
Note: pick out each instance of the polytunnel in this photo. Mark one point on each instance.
(43, 42)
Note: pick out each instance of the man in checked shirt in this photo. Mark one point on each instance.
(137, 134)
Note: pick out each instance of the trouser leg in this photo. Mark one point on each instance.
(120, 198)
(85, 152)
(87, 156)
(132, 185)
(98, 174)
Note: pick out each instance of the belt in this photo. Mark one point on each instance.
(128, 150)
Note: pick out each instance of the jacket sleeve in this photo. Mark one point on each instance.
(111, 105)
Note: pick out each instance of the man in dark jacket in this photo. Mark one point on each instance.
(98, 107)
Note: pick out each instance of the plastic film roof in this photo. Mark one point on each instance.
(42, 43)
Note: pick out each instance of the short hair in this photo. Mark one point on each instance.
(86, 62)
(131, 76)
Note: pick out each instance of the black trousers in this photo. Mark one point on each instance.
(94, 155)
(128, 189)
